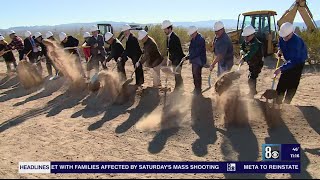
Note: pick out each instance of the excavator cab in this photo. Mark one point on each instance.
(104, 28)
(265, 26)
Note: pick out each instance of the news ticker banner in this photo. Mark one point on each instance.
(276, 158)
(159, 167)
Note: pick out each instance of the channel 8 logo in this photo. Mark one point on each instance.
(271, 152)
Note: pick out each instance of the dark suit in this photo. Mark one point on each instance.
(73, 42)
(117, 51)
(29, 48)
(98, 53)
(175, 55)
(134, 52)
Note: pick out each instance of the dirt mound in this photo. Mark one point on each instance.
(110, 86)
(225, 81)
(68, 64)
(28, 75)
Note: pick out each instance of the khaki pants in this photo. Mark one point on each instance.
(156, 76)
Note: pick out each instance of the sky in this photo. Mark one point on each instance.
(39, 12)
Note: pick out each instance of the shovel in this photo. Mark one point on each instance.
(128, 81)
(272, 93)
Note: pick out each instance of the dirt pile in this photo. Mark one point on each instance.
(28, 75)
(68, 64)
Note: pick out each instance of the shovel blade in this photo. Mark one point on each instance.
(127, 82)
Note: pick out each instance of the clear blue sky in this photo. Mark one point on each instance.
(39, 12)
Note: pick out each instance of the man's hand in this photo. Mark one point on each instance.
(276, 72)
(279, 53)
(1, 52)
(137, 64)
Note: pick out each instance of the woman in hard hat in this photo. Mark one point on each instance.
(8, 56)
(197, 57)
(151, 56)
(295, 53)
(251, 49)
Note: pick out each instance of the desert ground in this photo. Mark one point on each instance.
(49, 123)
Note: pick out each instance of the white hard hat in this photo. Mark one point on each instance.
(37, 34)
(1, 38)
(125, 27)
(248, 30)
(62, 36)
(108, 36)
(218, 25)
(286, 29)
(166, 24)
(142, 34)
(11, 32)
(27, 34)
(191, 30)
(49, 34)
(86, 34)
(93, 28)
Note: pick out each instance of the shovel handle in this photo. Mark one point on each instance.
(274, 75)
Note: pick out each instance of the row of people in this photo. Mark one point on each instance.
(293, 48)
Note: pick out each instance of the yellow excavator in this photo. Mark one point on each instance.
(266, 27)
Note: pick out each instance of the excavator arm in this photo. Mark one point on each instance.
(302, 7)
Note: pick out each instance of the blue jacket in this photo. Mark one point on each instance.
(294, 52)
(197, 51)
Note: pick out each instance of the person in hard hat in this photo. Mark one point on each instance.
(97, 50)
(7, 56)
(86, 50)
(197, 57)
(133, 51)
(49, 35)
(251, 49)
(30, 48)
(222, 49)
(295, 53)
(151, 56)
(49, 63)
(117, 53)
(175, 52)
(16, 43)
(42, 50)
(71, 42)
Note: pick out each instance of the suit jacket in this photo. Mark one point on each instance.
(133, 48)
(28, 46)
(117, 51)
(175, 50)
(71, 42)
(100, 41)
(151, 54)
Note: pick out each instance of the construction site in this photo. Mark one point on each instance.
(78, 114)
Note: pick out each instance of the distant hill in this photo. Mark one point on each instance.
(82, 27)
